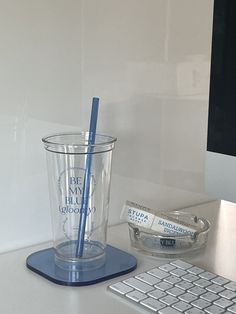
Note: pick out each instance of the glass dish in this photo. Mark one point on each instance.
(164, 245)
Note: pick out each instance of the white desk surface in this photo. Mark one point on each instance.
(24, 292)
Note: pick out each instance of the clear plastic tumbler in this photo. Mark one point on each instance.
(66, 162)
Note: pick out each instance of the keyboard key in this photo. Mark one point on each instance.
(228, 294)
(220, 280)
(167, 267)
(224, 303)
(149, 279)
(207, 275)
(215, 288)
(157, 294)
(136, 295)
(169, 310)
(232, 309)
(169, 300)
(201, 304)
(158, 273)
(194, 311)
(202, 283)
(181, 264)
(213, 309)
(195, 270)
(182, 306)
(190, 277)
(209, 296)
(188, 297)
(163, 286)
(121, 288)
(139, 285)
(231, 286)
(197, 290)
(172, 279)
(178, 272)
(185, 285)
(175, 291)
(152, 304)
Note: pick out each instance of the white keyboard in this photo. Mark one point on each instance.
(179, 287)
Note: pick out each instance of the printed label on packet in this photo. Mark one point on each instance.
(169, 227)
(137, 216)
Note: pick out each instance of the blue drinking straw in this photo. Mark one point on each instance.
(87, 175)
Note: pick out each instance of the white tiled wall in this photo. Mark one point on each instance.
(147, 60)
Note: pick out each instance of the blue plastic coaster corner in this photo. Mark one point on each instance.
(117, 263)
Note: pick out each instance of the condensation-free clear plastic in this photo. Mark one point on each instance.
(66, 163)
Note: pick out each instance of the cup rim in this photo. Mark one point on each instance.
(109, 139)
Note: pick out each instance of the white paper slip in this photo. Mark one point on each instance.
(158, 221)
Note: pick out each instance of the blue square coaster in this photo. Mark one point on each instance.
(117, 263)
